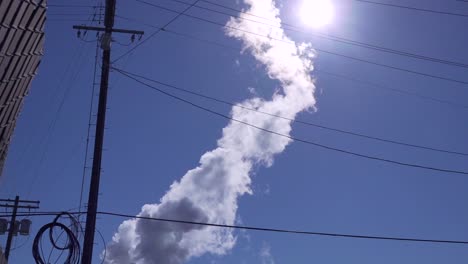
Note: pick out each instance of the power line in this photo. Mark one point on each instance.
(321, 50)
(290, 231)
(157, 31)
(68, 14)
(392, 5)
(352, 79)
(88, 135)
(295, 120)
(293, 28)
(104, 244)
(261, 229)
(405, 92)
(413, 8)
(90, 6)
(375, 158)
(53, 123)
(68, 20)
(68, 68)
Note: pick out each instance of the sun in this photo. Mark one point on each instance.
(317, 13)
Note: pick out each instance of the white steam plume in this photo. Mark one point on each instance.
(209, 193)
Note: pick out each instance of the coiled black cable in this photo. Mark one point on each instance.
(72, 244)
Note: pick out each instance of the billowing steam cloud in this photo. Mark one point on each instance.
(209, 193)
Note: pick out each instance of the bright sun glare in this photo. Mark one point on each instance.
(317, 13)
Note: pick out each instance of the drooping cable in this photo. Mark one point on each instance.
(71, 244)
(157, 31)
(58, 5)
(335, 75)
(88, 133)
(53, 123)
(290, 231)
(265, 229)
(378, 3)
(104, 245)
(297, 29)
(295, 120)
(413, 8)
(308, 142)
(414, 72)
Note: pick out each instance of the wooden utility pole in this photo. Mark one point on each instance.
(106, 40)
(16, 205)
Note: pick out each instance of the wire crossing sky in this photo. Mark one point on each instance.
(413, 8)
(336, 75)
(229, 165)
(400, 163)
(293, 28)
(126, 73)
(415, 72)
(364, 163)
(256, 228)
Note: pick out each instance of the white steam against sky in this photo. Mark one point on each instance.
(210, 192)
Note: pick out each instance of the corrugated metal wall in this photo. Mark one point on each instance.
(21, 49)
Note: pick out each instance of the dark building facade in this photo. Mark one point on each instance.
(21, 49)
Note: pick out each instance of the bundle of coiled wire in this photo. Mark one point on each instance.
(71, 244)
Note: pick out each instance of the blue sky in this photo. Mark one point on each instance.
(152, 141)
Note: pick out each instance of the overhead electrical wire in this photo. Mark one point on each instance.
(293, 28)
(61, 14)
(104, 245)
(179, 14)
(321, 50)
(405, 92)
(308, 142)
(289, 231)
(295, 120)
(58, 5)
(336, 75)
(68, 20)
(16, 247)
(68, 14)
(397, 6)
(412, 8)
(88, 134)
(52, 125)
(263, 228)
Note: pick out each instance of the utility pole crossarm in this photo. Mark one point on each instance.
(114, 30)
(19, 206)
(21, 201)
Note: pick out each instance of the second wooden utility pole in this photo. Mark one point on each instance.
(17, 204)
